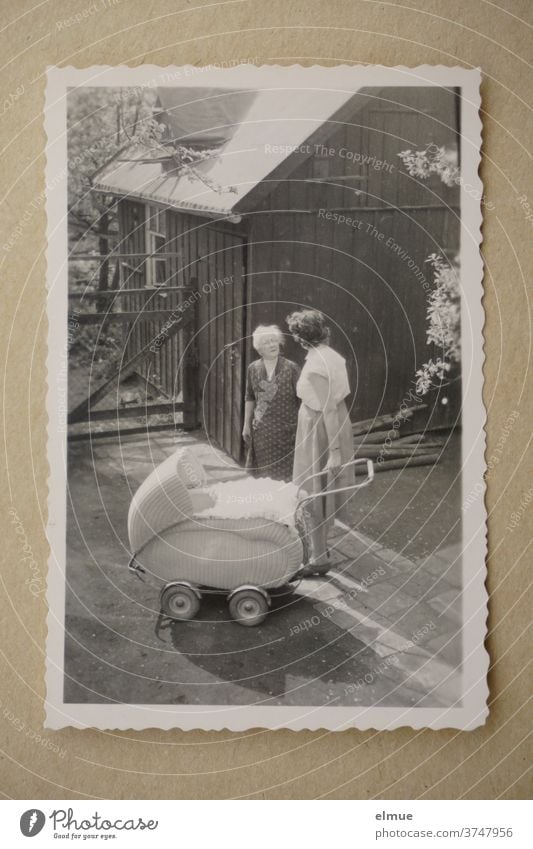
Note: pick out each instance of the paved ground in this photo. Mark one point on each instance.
(382, 628)
(415, 511)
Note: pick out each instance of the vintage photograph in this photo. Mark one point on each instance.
(265, 429)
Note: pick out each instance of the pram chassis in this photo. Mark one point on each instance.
(248, 604)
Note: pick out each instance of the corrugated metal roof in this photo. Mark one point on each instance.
(278, 122)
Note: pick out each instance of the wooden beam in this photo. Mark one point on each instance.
(142, 255)
(109, 293)
(387, 208)
(422, 460)
(122, 433)
(392, 452)
(123, 317)
(138, 410)
(367, 425)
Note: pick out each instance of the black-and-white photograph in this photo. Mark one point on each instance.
(266, 425)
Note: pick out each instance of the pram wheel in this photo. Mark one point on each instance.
(179, 601)
(248, 607)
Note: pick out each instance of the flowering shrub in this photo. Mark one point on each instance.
(444, 309)
(432, 160)
(444, 325)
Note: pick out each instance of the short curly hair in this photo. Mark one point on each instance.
(309, 327)
(267, 330)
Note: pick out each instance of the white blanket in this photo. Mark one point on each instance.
(262, 498)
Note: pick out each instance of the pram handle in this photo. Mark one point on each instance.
(369, 478)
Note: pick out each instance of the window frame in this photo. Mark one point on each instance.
(155, 228)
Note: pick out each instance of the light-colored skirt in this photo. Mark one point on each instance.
(311, 454)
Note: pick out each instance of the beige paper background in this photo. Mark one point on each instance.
(486, 763)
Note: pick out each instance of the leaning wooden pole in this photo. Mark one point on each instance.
(368, 425)
(82, 411)
(415, 460)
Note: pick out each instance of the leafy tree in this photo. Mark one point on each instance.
(98, 120)
(103, 122)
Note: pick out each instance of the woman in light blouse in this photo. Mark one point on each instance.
(324, 439)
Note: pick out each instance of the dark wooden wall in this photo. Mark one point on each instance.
(374, 301)
(220, 338)
(286, 254)
(207, 261)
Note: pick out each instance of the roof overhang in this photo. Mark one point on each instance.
(269, 139)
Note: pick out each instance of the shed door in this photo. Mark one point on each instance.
(221, 337)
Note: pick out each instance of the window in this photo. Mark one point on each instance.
(156, 235)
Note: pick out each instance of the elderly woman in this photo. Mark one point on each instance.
(324, 439)
(271, 409)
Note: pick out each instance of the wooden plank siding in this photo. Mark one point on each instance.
(371, 279)
(219, 258)
(205, 257)
(368, 286)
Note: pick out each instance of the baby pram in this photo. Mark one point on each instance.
(179, 543)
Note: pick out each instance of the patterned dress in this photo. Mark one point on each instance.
(271, 448)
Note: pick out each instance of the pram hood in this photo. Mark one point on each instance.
(163, 498)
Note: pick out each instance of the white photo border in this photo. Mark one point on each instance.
(474, 709)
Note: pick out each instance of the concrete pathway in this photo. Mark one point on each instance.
(378, 628)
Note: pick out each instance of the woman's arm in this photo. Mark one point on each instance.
(249, 407)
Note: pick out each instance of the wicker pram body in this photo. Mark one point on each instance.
(172, 541)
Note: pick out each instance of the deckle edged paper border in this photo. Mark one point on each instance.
(473, 710)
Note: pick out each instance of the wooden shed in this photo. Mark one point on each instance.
(307, 203)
